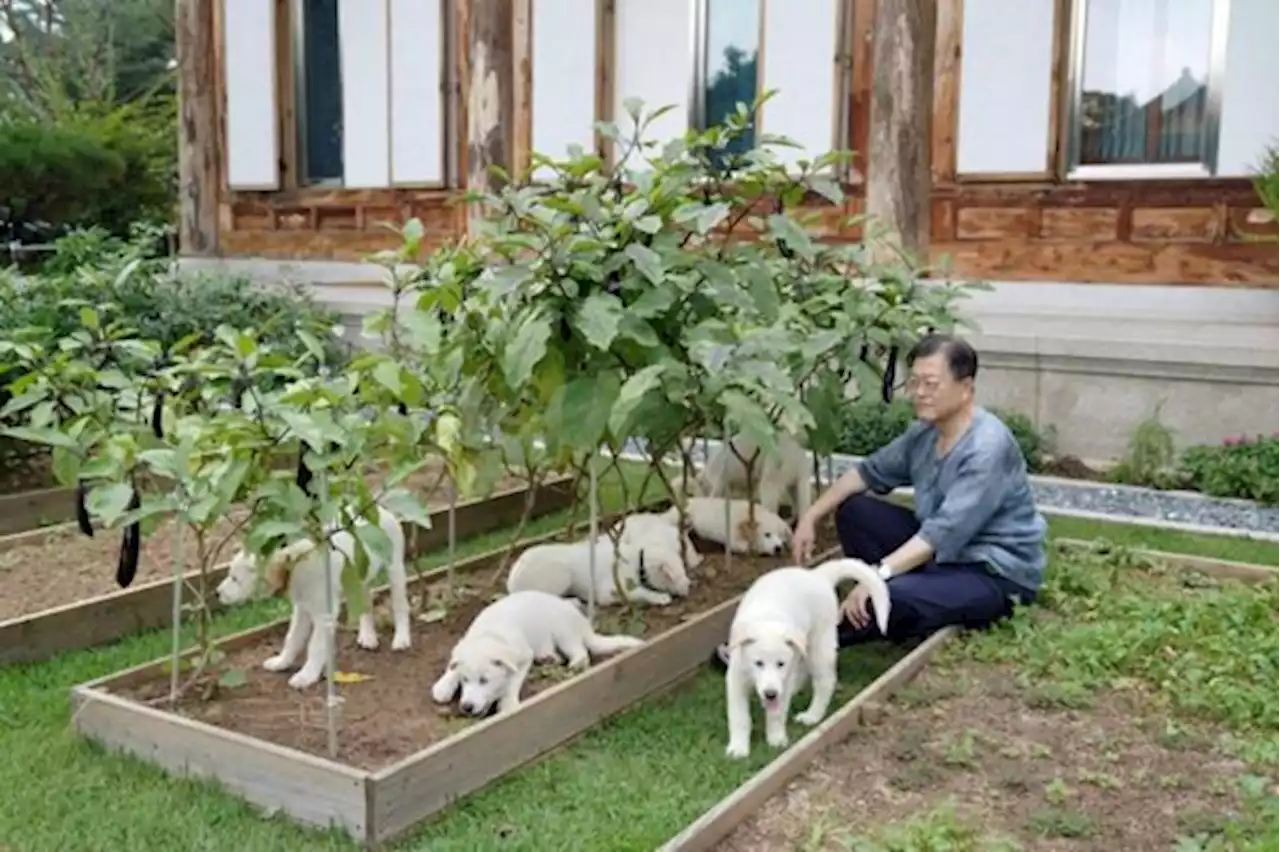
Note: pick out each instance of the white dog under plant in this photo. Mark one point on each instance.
(750, 530)
(492, 660)
(779, 476)
(659, 530)
(784, 633)
(649, 573)
(302, 568)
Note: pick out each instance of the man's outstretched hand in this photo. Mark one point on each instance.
(803, 540)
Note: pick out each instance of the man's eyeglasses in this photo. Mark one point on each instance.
(929, 385)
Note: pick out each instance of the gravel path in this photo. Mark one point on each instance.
(1120, 501)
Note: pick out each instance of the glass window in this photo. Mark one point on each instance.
(729, 63)
(1145, 85)
(319, 92)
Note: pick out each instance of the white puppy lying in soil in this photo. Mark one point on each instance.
(660, 530)
(301, 568)
(493, 658)
(766, 533)
(779, 477)
(785, 631)
(649, 573)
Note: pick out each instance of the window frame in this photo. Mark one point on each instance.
(450, 85)
(841, 133)
(1206, 167)
(298, 67)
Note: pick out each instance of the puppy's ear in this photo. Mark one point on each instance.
(279, 569)
(798, 641)
(740, 640)
(503, 661)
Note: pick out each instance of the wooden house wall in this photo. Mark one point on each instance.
(1033, 227)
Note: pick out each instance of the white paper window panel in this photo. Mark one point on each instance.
(249, 68)
(564, 76)
(1250, 112)
(417, 102)
(363, 47)
(654, 62)
(1005, 97)
(799, 53)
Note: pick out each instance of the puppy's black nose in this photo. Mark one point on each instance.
(770, 694)
(468, 708)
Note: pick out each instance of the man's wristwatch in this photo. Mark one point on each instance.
(884, 571)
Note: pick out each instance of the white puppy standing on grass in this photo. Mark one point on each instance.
(301, 567)
(749, 531)
(493, 658)
(785, 631)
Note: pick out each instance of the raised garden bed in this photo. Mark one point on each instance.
(961, 732)
(401, 760)
(58, 593)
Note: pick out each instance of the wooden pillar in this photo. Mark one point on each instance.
(898, 178)
(198, 148)
(490, 94)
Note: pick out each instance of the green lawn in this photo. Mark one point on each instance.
(1135, 706)
(661, 764)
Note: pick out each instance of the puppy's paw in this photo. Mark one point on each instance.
(278, 663)
(579, 662)
(401, 642)
(737, 751)
(442, 692)
(809, 718)
(660, 599)
(368, 641)
(777, 739)
(303, 679)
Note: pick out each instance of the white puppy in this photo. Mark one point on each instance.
(493, 658)
(785, 631)
(765, 533)
(659, 530)
(778, 477)
(649, 574)
(301, 568)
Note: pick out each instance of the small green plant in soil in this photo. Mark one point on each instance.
(1238, 467)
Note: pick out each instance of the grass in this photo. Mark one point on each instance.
(1171, 541)
(662, 762)
(1129, 693)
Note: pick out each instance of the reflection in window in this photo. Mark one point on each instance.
(730, 62)
(1144, 82)
(319, 92)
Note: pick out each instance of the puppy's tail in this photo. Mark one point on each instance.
(837, 571)
(599, 644)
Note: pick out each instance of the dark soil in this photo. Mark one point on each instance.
(19, 473)
(63, 566)
(391, 715)
(1071, 467)
(1012, 765)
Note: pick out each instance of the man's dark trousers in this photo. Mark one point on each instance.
(927, 598)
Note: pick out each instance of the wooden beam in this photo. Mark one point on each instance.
(898, 179)
(198, 144)
(490, 95)
(946, 95)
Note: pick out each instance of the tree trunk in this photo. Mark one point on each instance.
(491, 95)
(198, 149)
(898, 179)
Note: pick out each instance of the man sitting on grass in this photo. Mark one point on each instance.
(975, 543)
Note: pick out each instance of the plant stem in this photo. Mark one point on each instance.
(331, 664)
(595, 531)
(453, 536)
(176, 657)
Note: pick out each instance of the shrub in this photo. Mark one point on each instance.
(870, 424)
(1239, 467)
(1036, 444)
(1150, 458)
(96, 166)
